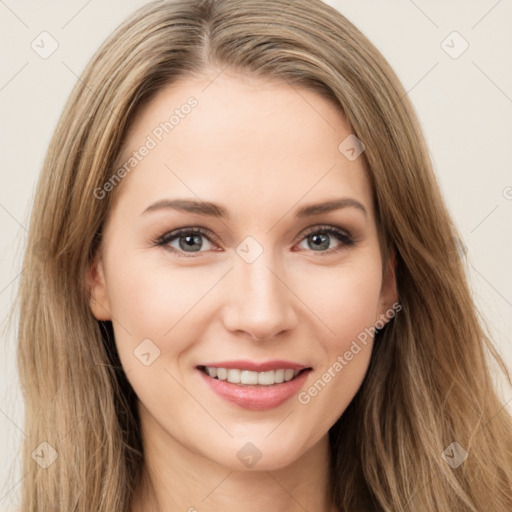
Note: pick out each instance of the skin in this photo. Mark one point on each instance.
(261, 149)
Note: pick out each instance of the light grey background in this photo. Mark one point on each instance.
(464, 105)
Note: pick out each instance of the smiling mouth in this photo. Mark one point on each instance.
(250, 378)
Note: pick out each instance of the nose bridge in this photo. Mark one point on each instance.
(260, 302)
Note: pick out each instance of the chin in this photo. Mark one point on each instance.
(260, 454)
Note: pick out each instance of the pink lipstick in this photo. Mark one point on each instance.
(255, 385)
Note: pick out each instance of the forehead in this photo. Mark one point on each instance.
(247, 142)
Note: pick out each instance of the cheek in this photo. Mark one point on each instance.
(345, 299)
(156, 301)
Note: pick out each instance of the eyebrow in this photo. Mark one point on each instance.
(215, 210)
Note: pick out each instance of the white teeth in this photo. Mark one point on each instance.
(236, 376)
(266, 378)
(288, 375)
(247, 377)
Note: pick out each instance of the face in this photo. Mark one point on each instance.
(255, 280)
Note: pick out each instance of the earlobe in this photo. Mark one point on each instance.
(96, 285)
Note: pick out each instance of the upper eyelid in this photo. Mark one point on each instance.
(319, 227)
(174, 234)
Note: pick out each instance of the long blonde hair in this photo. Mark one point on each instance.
(428, 384)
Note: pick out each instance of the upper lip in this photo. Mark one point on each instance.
(255, 366)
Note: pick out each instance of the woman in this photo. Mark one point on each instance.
(250, 282)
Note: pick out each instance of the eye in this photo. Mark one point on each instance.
(319, 236)
(189, 240)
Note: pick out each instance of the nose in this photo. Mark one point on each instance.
(260, 303)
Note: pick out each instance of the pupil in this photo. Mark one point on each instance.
(317, 237)
(190, 241)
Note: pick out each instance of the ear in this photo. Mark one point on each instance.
(389, 291)
(98, 296)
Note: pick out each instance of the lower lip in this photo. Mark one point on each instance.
(258, 398)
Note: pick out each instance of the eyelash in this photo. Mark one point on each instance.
(166, 238)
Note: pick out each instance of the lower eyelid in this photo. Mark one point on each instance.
(344, 238)
(167, 238)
